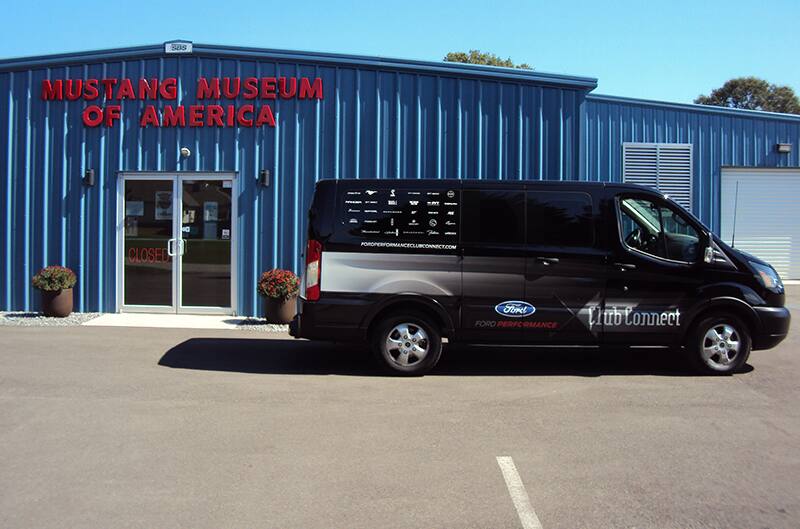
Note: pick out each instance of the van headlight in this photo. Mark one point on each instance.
(767, 276)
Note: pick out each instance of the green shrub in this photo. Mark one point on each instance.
(54, 278)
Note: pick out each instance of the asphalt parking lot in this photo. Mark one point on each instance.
(122, 427)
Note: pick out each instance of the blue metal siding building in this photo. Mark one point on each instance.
(378, 117)
(720, 137)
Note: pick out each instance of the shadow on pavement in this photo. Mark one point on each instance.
(247, 355)
(321, 358)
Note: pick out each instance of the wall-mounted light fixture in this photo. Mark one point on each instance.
(88, 178)
(185, 152)
(783, 148)
(263, 177)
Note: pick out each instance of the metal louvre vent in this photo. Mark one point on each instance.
(666, 167)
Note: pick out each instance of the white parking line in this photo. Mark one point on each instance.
(518, 494)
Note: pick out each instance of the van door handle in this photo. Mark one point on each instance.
(625, 266)
(547, 261)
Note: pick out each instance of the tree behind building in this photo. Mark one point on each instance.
(486, 58)
(752, 93)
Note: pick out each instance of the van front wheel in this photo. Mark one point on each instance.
(407, 345)
(719, 345)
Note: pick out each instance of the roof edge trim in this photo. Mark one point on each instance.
(445, 68)
(708, 109)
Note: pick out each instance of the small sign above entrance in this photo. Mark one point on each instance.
(178, 46)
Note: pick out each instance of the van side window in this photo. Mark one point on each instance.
(560, 219)
(493, 216)
(658, 230)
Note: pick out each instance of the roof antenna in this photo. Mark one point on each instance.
(735, 207)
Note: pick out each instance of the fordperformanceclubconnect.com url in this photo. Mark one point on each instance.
(411, 245)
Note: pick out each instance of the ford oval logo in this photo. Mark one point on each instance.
(514, 309)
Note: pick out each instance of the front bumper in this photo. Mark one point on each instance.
(775, 323)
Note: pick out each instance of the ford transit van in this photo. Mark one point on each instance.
(404, 264)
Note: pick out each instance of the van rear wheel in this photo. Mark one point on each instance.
(719, 345)
(407, 345)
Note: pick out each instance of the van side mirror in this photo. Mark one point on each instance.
(708, 252)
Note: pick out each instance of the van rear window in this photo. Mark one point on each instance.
(401, 214)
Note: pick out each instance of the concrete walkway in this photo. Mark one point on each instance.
(167, 321)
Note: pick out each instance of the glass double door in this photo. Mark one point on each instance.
(177, 244)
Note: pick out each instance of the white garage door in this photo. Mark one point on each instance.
(764, 213)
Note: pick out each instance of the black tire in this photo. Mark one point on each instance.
(391, 360)
(702, 341)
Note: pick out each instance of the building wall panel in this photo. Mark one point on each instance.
(720, 138)
(387, 120)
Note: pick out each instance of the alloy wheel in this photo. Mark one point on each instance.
(721, 345)
(407, 344)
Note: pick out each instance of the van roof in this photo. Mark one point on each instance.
(498, 183)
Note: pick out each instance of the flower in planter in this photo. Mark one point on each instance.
(278, 284)
(54, 278)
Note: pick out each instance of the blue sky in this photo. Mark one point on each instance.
(669, 51)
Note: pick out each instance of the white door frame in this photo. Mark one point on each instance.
(177, 178)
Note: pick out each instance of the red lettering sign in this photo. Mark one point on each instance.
(310, 91)
(169, 88)
(208, 90)
(148, 255)
(174, 117)
(287, 93)
(149, 117)
(265, 117)
(92, 116)
(113, 91)
(52, 90)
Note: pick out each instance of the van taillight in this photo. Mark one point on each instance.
(313, 269)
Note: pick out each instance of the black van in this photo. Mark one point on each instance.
(406, 263)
